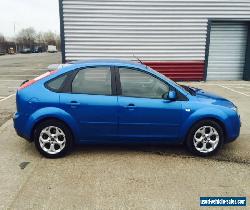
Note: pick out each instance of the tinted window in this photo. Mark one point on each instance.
(93, 81)
(139, 84)
(56, 83)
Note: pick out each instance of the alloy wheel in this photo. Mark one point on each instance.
(206, 139)
(52, 140)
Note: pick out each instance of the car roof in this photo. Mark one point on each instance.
(114, 62)
(110, 62)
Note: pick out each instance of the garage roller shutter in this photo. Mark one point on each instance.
(227, 51)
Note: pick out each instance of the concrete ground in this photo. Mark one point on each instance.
(14, 69)
(115, 177)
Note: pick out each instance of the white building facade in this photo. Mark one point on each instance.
(183, 39)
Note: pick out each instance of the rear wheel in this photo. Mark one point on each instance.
(205, 138)
(52, 138)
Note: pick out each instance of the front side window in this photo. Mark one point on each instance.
(135, 83)
(93, 81)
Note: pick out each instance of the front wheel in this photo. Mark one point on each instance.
(52, 138)
(205, 138)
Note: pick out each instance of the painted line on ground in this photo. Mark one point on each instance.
(7, 97)
(240, 87)
(24, 75)
(218, 84)
(247, 85)
(21, 70)
(233, 90)
(11, 80)
(12, 87)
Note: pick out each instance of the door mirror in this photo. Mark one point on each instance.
(171, 95)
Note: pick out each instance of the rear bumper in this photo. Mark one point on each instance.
(19, 124)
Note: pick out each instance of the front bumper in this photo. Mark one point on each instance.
(234, 132)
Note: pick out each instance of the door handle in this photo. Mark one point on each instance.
(73, 103)
(130, 106)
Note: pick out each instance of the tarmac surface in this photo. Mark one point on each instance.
(115, 177)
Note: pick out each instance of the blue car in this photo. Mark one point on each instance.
(117, 102)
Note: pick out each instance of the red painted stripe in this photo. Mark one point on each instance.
(182, 70)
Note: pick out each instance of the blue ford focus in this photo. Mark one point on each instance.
(112, 101)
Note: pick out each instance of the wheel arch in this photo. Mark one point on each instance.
(48, 119)
(217, 120)
(52, 113)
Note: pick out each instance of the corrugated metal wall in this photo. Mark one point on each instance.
(227, 49)
(165, 33)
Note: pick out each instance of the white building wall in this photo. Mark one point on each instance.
(161, 30)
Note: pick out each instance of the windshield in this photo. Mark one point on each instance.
(183, 87)
(186, 90)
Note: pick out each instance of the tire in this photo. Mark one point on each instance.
(205, 138)
(53, 139)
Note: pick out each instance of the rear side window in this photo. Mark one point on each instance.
(55, 84)
(93, 81)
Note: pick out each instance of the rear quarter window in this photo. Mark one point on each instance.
(56, 83)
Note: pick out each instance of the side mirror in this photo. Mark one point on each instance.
(171, 95)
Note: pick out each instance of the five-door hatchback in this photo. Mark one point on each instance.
(112, 101)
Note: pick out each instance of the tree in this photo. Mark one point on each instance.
(29, 38)
(39, 38)
(58, 42)
(2, 39)
(49, 38)
(26, 37)
(3, 44)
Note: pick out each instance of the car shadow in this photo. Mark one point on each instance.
(178, 151)
(167, 150)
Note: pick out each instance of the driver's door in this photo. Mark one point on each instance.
(143, 114)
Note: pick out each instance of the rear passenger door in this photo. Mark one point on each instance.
(93, 104)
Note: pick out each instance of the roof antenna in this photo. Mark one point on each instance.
(138, 59)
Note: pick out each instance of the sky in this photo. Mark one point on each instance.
(42, 15)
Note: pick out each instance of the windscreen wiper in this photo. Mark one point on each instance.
(189, 89)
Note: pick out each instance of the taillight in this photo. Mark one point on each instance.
(32, 81)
